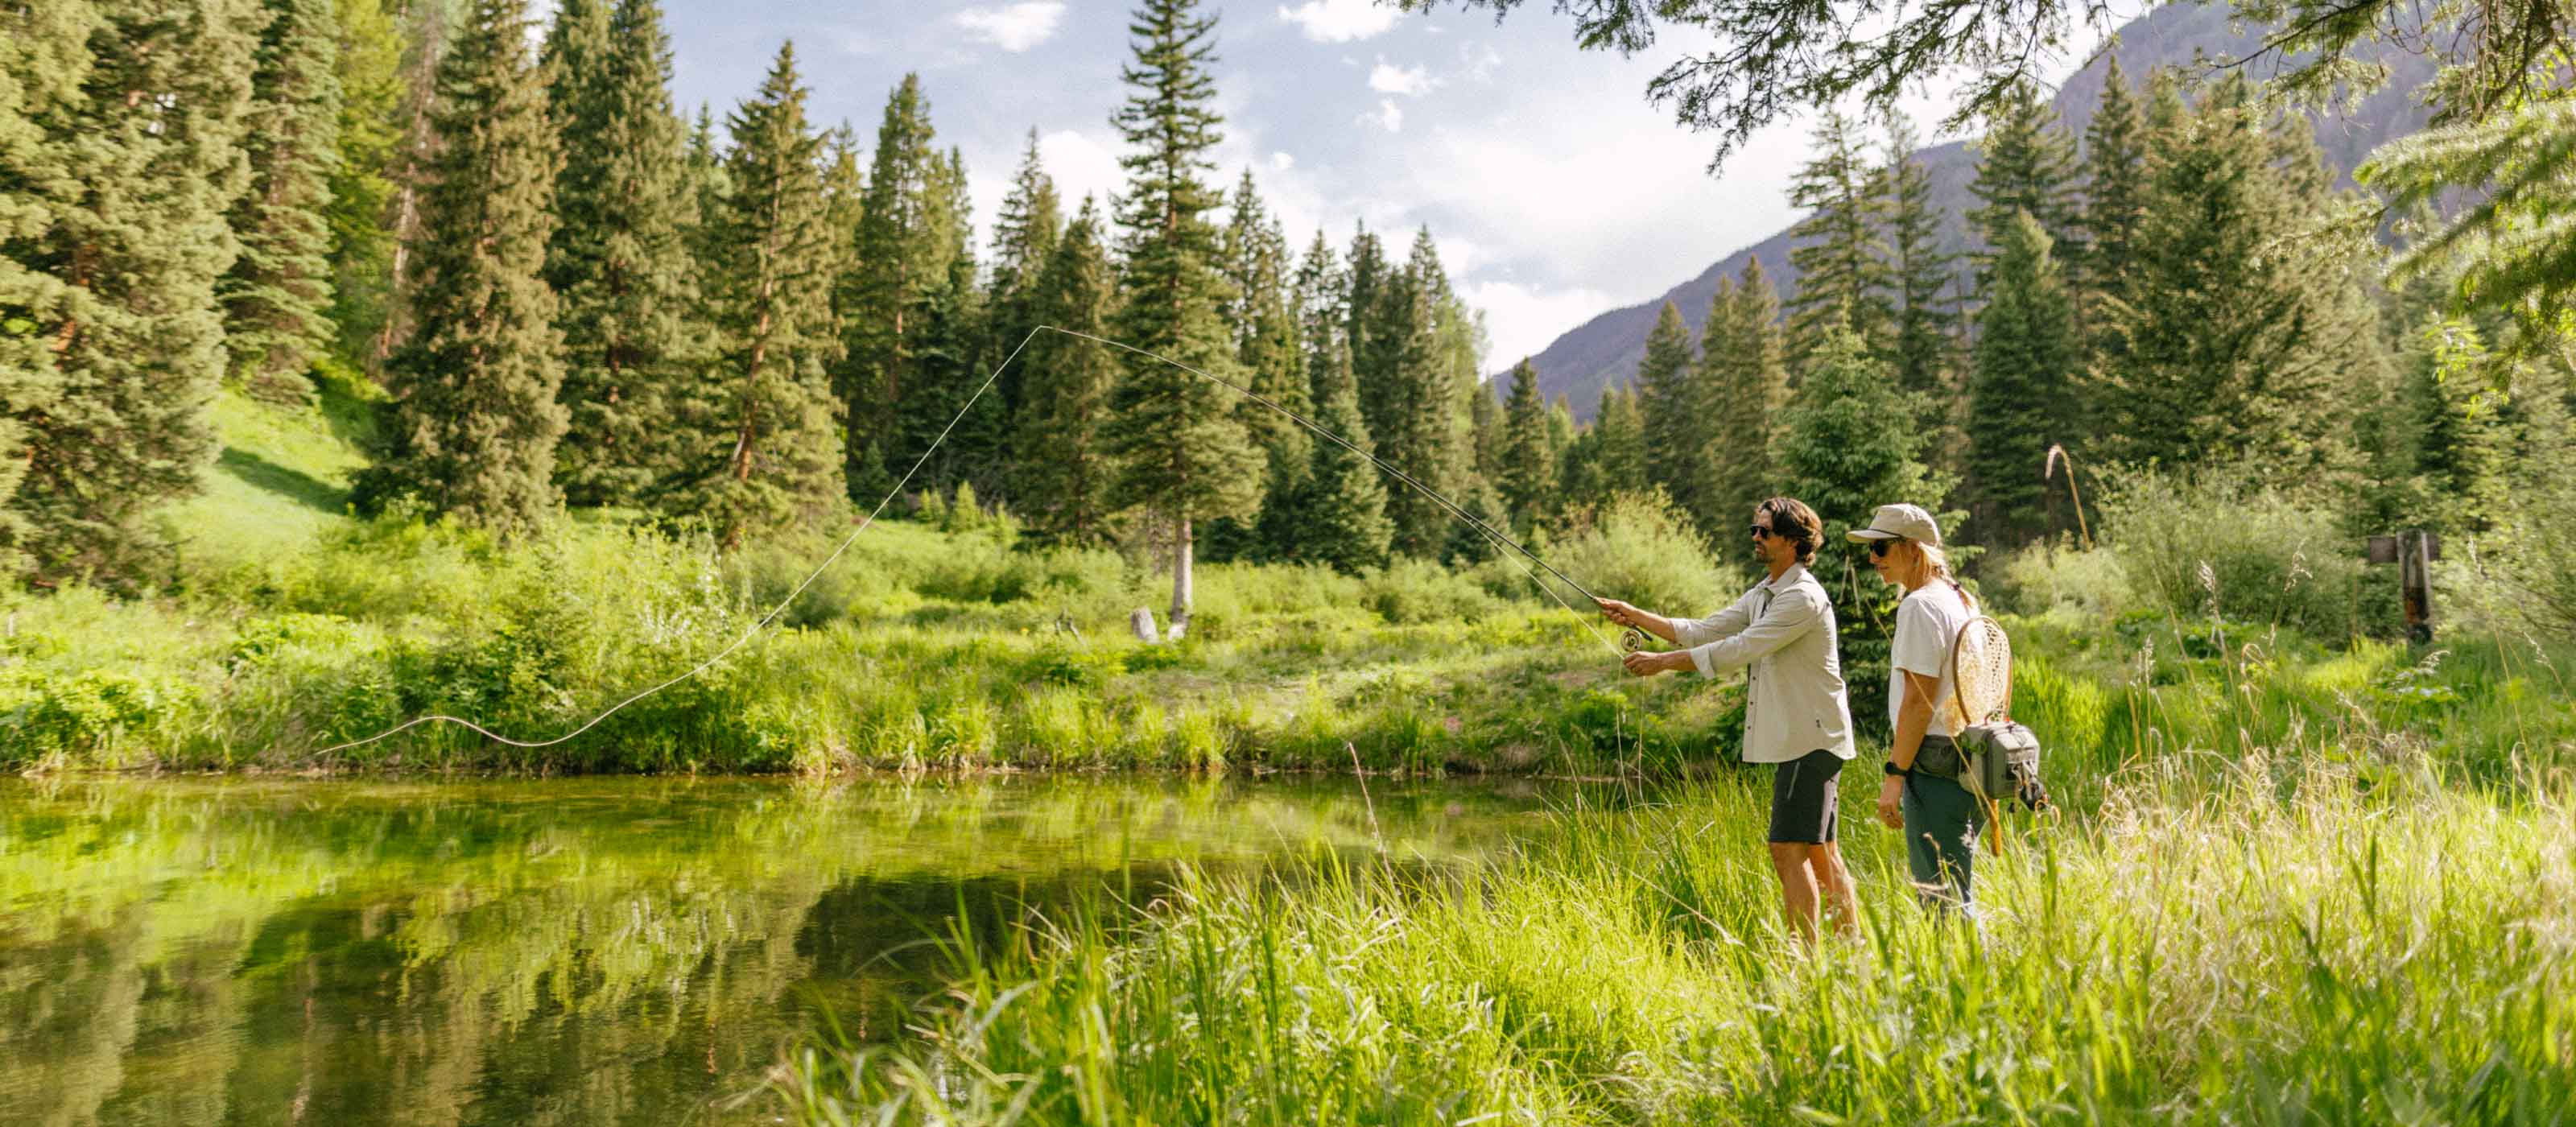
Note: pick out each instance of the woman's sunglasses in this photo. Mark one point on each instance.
(1878, 548)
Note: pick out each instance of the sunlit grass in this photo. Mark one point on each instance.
(2209, 946)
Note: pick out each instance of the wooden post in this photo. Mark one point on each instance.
(2415, 572)
(2413, 551)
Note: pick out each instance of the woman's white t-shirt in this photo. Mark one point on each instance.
(1927, 624)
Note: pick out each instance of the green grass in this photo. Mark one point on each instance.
(292, 627)
(281, 480)
(2276, 939)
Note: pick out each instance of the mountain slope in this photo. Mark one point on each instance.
(1586, 359)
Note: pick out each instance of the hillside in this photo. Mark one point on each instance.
(1587, 358)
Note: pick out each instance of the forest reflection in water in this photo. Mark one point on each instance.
(566, 951)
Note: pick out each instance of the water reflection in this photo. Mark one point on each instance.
(582, 951)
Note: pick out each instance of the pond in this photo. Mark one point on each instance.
(579, 951)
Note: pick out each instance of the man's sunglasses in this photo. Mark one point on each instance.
(1759, 530)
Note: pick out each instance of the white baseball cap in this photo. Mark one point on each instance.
(1908, 521)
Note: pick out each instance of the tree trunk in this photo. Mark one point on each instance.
(1180, 580)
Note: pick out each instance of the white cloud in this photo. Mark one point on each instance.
(1340, 21)
(1386, 78)
(849, 40)
(1481, 60)
(1389, 116)
(1282, 162)
(1460, 255)
(1524, 319)
(1013, 27)
(1081, 165)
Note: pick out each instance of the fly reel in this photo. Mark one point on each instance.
(1632, 640)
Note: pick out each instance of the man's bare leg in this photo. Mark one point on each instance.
(1833, 885)
(1797, 887)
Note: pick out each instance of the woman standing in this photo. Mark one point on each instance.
(1922, 794)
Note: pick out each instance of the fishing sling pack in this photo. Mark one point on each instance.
(1998, 756)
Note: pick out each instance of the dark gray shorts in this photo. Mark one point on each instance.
(1803, 797)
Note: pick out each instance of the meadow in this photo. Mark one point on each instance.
(2287, 883)
(2301, 870)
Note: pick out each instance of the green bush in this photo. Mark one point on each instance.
(1638, 548)
(2222, 544)
(2045, 577)
(1407, 592)
(46, 718)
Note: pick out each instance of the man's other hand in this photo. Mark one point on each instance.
(1647, 664)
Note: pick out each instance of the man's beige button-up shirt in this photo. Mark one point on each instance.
(1783, 629)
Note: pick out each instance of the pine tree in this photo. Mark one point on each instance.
(619, 260)
(1341, 508)
(902, 248)
(946, 341)
(950, 360)
(1061, 481)
(2022, 387)
(1024, 237)
(845, 190)
(1560, 423)
(1268, 348)
(2463, 436)
(1367, 279)
(1485, 434)
(1622, 427)
(277, 296)
(1674, 401)
(1841, 261)
(1274, 356)
(2115, 164)
(760, 431)
(1528, 463)
(44, 57)
(709, 185)
(1183, 453)
(2234, 336)
(1748, 388)
(1578, 466)
(475, 419)
(123, 154)
(1923, 346)
(1316, 306)
(2024, 163)
(368, 66)
(1848, 444)
(428, 34)
(1413, 390)
(1466, 543)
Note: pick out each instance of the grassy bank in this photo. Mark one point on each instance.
(937, 641)
(2330, 926)
(940, 641)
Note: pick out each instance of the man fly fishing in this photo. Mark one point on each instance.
(1795, 715)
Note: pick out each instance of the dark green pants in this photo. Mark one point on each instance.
(1942, 821)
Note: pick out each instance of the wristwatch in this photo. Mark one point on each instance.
(1891, 768)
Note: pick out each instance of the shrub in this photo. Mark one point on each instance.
(2220, 543)
(2052, 576)
(47, 717)
(1409, 592)
(1638, 548)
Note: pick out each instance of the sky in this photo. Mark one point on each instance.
(1552, 188)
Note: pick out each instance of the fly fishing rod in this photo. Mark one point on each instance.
(1633, 639)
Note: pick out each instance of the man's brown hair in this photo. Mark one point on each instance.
(1792, 520)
